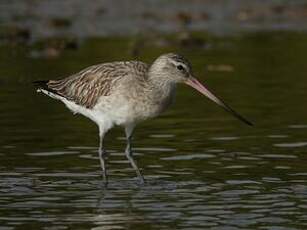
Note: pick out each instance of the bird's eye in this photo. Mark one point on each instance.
(180, 67)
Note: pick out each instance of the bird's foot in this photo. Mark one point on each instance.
(105, 178)
(141, 180)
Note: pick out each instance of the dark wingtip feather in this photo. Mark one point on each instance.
(41, 84)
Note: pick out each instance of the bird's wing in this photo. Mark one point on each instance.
(87, 86)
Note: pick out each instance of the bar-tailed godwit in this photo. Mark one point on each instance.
(125, 93)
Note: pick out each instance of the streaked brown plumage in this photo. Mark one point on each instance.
(87, 86)
(125, 93)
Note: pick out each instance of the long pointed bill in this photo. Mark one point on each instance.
(193, 82)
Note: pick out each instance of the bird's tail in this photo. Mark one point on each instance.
(42, 86)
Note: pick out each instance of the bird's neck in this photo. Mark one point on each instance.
(161, 87)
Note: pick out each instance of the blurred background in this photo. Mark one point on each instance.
(204, 169)
(81, 19)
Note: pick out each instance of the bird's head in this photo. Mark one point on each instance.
(174, 68)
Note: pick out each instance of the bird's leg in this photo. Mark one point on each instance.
(102, 158)
(129, 153)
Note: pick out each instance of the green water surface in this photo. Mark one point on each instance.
(204, 169)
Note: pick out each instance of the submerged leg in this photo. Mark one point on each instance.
(102, 158)
(129, 154)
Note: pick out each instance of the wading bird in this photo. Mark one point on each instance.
(125, 93)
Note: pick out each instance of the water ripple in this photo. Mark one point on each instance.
(188, 157)
(291, 145)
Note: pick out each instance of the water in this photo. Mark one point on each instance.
(204, 169)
